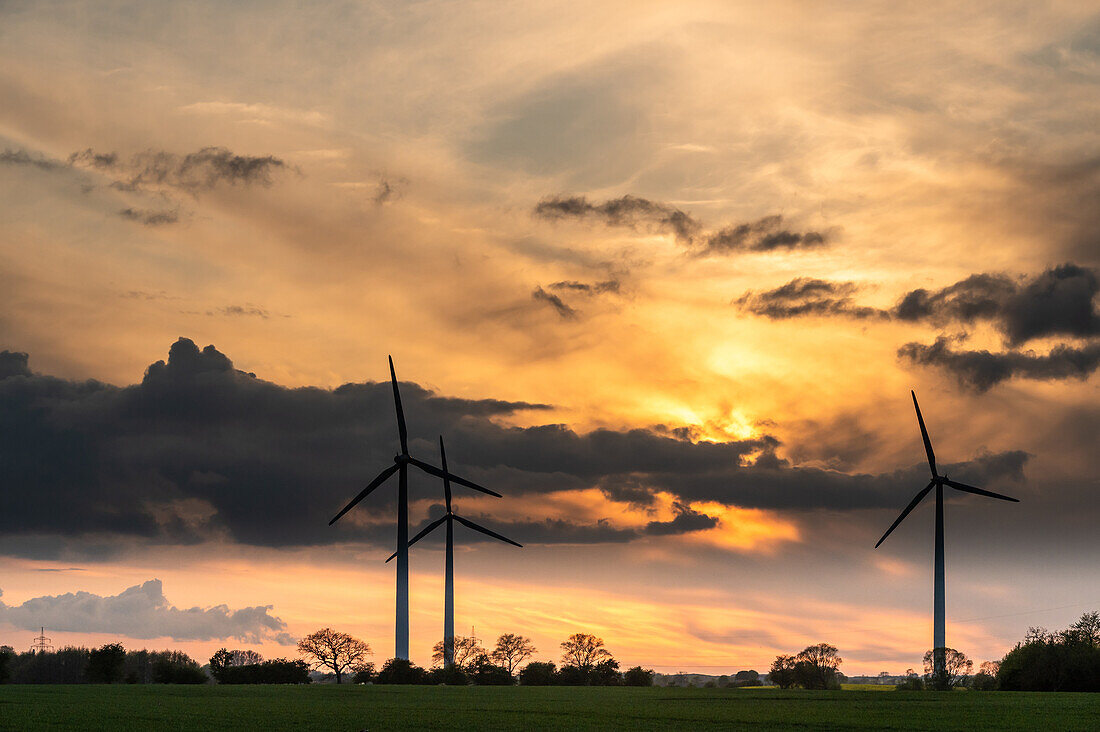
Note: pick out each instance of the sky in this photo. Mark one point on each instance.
(662, 274)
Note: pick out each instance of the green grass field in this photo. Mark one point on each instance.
(388, 707)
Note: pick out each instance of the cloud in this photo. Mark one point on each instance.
(765, 235)
(982, 370)
(1059, 301)
(585, 288)
(13, 363)
(626, 211)
(686, 520)
(245, 310)
(142, 611)
(566, 312)
(200, 451)
(198, 171)
(22, 157)
(150, 218)
(807, 296)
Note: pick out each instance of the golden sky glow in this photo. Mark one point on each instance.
(413, 145)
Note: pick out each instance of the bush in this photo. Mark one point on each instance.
(276, 671)
(453, 676)
(484, 672)
(538, 673)
(606, 673)
(572, 676)
(364, 674)
(401, 671)
(982, 681)
(911, 683)
(176, 667)
(638, 676)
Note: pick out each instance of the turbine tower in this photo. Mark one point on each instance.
(449, 600)
(939, 642)
(402, 461)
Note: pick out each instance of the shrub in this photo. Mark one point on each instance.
(538, 673)
(275, 671)
(364, 674)
(453, 676)
(484, 672)
(638, 676)
(606, 673)
(401, 671)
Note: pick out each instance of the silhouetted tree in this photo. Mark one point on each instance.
(1065, 661)
(956, 668)
(105, 664)
(340, 652)
(583, 650)
(605, 673)
(818, 667)
(538, 673)
(453, 676)
(638, 676)
(484, 672)
(364, 674)
(466, 650)
(782, 672)
(986, 678)
(176, 667)
(7, 653)
(747, 678)
(512, 650)
(401, 671)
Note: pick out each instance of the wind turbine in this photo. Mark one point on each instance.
(450, 517)
(402, 461)
(938, 481)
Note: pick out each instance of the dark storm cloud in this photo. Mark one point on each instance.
(765, 235)
(22, 157)
(194, 172)
(142, 611)
(13, 363)
(807, 296)
(628, 211)
(982, 370)
(1058, 302)
(150, 218)
(566, 312)
(200, 451)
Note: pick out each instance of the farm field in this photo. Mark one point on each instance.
(416, 707)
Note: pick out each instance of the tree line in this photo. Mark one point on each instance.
(108, 664)
(1065, 660)
(585, 661)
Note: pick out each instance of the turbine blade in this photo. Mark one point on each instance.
(432, 470)
(402, 432)
(366, 491)
(446, 480)
(427, 530)
(979, 491)
(924, 434)
(910, 507)
(482, 529)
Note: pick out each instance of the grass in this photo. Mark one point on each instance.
(353, 708)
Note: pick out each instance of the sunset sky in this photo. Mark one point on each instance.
(663, 274)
